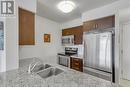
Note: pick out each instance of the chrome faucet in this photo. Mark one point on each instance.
(32, 66)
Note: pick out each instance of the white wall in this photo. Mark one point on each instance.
(46, 51)
(30, 5)
(73, 23)
(11, 41)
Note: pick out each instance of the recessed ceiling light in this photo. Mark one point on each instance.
(66, 6)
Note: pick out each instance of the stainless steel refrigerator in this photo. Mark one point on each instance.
(98, 53)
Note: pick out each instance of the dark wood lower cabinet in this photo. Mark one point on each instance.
(76, 64)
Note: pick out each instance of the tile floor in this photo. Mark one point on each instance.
(125, 83)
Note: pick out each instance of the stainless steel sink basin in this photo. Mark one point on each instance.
(41, 67)
(49, 72)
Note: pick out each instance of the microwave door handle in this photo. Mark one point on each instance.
(69, 40)
(72, 40)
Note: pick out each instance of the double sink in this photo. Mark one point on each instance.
(46, 70)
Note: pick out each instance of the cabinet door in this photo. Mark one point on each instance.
(66, 32)
(78, 33)
(107, 22)
(90, 25)
(26, 27)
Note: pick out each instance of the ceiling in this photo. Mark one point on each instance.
(48, 9)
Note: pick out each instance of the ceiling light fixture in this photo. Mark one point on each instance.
(66, 6)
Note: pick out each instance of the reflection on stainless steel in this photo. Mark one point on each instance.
(68, 40)
(98, 52)
(36, 66)
(41, 67)
(49, 72)
(64, 58)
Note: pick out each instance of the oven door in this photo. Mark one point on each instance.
(64, 60)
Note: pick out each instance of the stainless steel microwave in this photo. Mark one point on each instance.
(68, 40)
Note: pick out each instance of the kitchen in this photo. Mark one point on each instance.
(103, 30)
(93, 22)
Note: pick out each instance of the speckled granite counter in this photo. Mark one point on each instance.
(69, 78)
(78, 56)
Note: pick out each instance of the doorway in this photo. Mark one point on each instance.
(124, 16)
(126, 51)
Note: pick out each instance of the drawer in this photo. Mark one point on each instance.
(77, 64)
(76, 59)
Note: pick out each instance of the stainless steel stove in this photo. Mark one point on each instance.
(64, 57)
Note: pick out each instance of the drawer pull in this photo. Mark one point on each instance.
(76, 59)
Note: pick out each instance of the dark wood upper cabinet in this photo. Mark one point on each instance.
(26, 27)
(76, 31)
(103, 23)
(107, 22)
(87, 26)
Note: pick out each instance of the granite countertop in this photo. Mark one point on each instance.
(75, 56)
(78, 56)
(69, 78)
